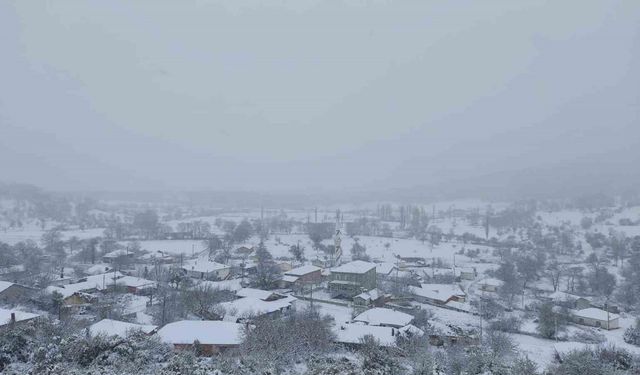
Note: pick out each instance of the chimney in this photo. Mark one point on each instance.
(13, 318)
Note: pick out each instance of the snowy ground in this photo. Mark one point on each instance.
(17, 235)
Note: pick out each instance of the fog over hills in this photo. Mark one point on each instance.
(530, 98)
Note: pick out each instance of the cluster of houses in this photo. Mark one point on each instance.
(356, 282)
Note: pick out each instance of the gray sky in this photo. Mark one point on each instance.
(315, 94)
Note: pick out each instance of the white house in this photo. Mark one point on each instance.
(596, 318)
(14, 316)
(205, 269)
(438, 294)
(109, 327)
(213, 336)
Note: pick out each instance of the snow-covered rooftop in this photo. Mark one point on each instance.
(492, 282)
(559, 296)
(204, 331)
(97, 269)
(117, 254)
(5, 316)
(385, 268)
(357, 266)
(4, 285)
(136, 282)
(255, 293)
(111, 327)
(303, 270)
(438, 292)
(355, 332)
(290, 279)
(232, 285)
(594, 313)
(98, 282)
(204, 265)
(251, 306)
(381, 316)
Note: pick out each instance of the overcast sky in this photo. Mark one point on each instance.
(326, 95)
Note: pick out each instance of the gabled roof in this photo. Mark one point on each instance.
(98, 282)
(207, 332)
(4, 285)
(594, 313)
(255, 293)
(357, 266)
(204, 265)
(438, 292)
(111, 327)
(290, 279)
(385, 268)
(371, 295)
(353, 334)
(381, 316)
(5, 316)
(303, 270)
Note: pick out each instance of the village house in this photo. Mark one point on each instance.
(212, 336)
(205, 269)
(243, 252)
(353, 278)
(59, 279)
(232, 285)
(109, 327)
(253, 303)
(466, 273)
(438, 294)
(264, 295)
(412, 261)
(98, 269)
(596, 318)
(14, 293)
(12, 317)
(447, 334)
(373, 297)
(79, 293)
(118, 256)
(384, 317)
(352, 334)
(490, 285)
(136, 285)
(301, 276)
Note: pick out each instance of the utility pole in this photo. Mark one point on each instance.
(481, 312)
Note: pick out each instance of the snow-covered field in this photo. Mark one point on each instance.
(14, 236)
